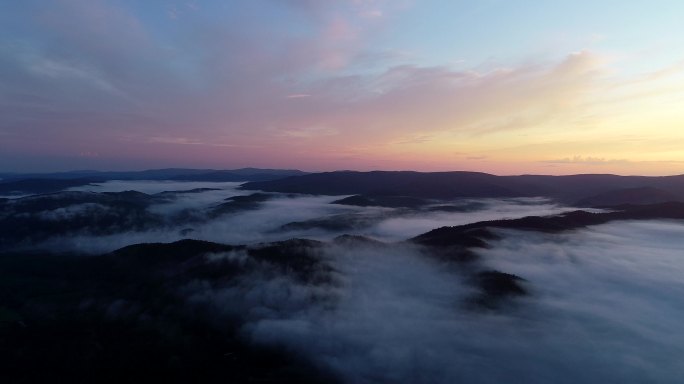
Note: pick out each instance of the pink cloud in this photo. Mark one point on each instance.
(226, 92)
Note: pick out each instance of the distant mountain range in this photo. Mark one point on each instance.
(387, 188)
(585, 190)
(242, 174)
(28, 183)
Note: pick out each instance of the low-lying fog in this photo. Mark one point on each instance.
(314, 217)
(606, 302)
(606, 306)
(156, 186)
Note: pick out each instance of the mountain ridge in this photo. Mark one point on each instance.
(463, 184)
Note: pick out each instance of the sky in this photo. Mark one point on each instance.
(498, 86)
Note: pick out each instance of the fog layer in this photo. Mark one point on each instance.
(605, 302)
(271, 220)
(605, 307)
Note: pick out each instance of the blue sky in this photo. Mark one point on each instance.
(497, 86)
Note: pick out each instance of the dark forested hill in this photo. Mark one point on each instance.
(475, 234)
(444, 185)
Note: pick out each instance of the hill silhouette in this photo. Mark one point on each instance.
(450, 185)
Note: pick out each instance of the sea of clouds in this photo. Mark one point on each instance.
(264, 223)
(605, 303)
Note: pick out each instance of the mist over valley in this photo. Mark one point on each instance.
(218, 280)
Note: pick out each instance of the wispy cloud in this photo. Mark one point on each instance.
(105, 70)
(298, 96)
(186, 141)
(588, 160)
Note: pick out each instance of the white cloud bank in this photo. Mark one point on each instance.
(606, 307)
